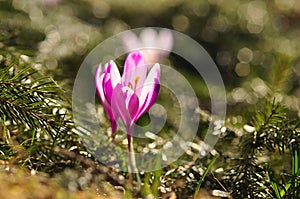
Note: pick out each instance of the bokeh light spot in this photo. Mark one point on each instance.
(181, 23)
(245, 55)
(242, 69)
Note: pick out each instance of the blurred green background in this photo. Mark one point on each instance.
(254, 43)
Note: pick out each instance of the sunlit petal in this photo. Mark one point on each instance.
(131, 41)
(99, 82)
(165, 40)
(119, 108)
(148, 37)
(100, 90)
(135, 71)
(150, 90)
(114, 73)
(133, 106)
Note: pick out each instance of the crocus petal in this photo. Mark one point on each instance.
(150, 100)
(133, 107)
(107, 87)
(149, 37)
(131, 41)
(113, 118)
(114, 73)
(100, 91)
(118, 106)
(165, 40)
(135, 71)
(150, 90)
(99, 82)
(113, 125)
(111, 78)
(99, 87)
(150, 82)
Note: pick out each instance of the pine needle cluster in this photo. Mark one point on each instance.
(274, 133)
(34, 115)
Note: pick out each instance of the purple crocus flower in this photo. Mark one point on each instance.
(130, 96)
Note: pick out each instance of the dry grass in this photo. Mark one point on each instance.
(23, 184)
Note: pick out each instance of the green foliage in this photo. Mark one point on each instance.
(281, 73)
(31, 102)
(33, 114)
(204, 174)
(274, 132)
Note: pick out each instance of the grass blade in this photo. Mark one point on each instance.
(204, 174)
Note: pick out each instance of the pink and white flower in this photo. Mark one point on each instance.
(130, 96)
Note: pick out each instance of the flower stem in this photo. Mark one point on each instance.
(132, 163)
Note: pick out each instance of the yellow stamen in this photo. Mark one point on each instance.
(136, 81)
(130, 85)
